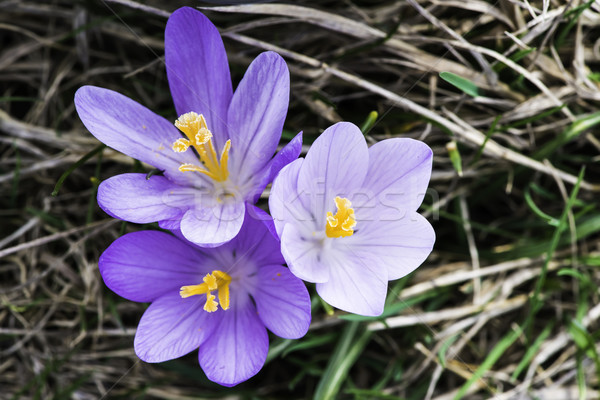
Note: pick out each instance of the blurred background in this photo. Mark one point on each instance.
(506, 93)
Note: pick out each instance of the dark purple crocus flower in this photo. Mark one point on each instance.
(223, 160)
(220, 299)
(346, 215)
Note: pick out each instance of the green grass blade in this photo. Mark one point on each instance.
(369, 122)
(76, 165)
(461, 83)
(455, 158)
(585, 342)
(532, 351)
(572, 132)
(488, 135)
(551, 220)
(563, 224)
(572, 15)
(349, 347)
(489, 361)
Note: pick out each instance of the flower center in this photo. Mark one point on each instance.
(340, 224)
(216, 280)
(198, 136)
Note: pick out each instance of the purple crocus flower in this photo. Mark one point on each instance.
(223, 160)
(346, 215)
(217, 299)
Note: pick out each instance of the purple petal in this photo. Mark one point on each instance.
(142, 266)
(283, 302)
(257, 113)
(304, 255)
(286, 155)
(238, 348)
(172, 224)
(197, 69)
(172, 327)
(261, 215)
(398, 175)
(134, 198)
(255, 240)
(285, 203)
(356, 284)
(132, 129)
(335, 165)
(400, 246)
(211, 227)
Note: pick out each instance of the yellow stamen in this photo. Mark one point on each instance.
(217, 280)
(200, 137)
(181, 145)
(342, 223)
(211, 305)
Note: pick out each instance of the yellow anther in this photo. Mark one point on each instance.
(187, 291)
(217, 280)
(181, 145)
(200, 137)
(191, 124)
(203, 136)
(211, 281)
(342, 223)
(210, 305)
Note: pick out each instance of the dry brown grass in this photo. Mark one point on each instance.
(63, 334)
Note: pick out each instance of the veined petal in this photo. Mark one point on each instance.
(172, 327)
(261, 215)
(197, 69)
(257, 113)
(398, 175)
(335, 165)
(287, 204)
(173, 225)
(286, 155)
(142, 266)
(282, 302)
(132, 129)
(255, 241)
(305, 256)
(134, 198)
(237, 349)
(213, 226)
(399, 246)
(355, 284)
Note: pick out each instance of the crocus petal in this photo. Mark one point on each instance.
(134, 198)
(132, 129)
(257, 113)
(197, 69)
(335, 165)
(262, 215)
(255, 240)
(286, 155)
(355, 284)
(399, 246)
(238, 348)
(213, 226)
(172, 327)
(286, 204)
(171, 224)
(304, 255)
(282, 302)
(398, 175)
(142, 266)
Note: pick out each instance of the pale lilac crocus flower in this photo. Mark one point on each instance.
(220, 300)
(347, 215)
(216, 158)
